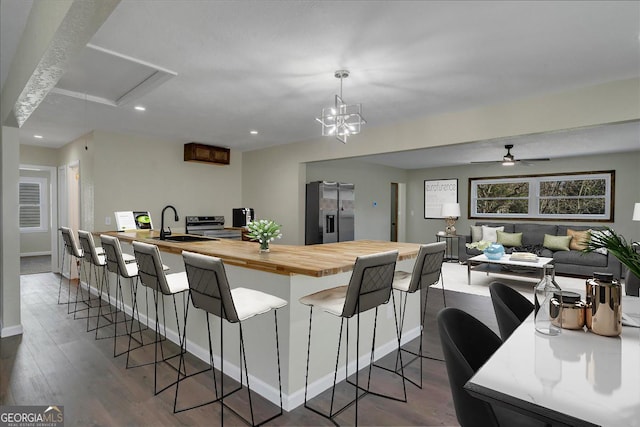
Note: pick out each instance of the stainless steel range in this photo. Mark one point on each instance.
(211, 226)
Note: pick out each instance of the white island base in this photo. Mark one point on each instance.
(293, 323)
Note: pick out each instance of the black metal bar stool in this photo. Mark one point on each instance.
(427, 271)
(98, 263)
(73, 251)
(69, 253)
(209, 290)
(368, 288)
(123, 266)
(152, 275)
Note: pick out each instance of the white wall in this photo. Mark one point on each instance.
(70, 154)
(138, 173)
(373, 192)
(274, 178)
(627, 190)
(41, 156)
(9, 235)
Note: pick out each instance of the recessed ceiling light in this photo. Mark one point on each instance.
(253, 132)
(38, 136)
(140, 108)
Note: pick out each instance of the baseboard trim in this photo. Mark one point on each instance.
(292, 400)
(28, 254)
(10, 331)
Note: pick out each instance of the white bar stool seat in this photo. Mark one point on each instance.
(250, 303)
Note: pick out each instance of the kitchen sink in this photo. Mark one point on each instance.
(187, 238)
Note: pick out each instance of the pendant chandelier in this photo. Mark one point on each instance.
(341, 120)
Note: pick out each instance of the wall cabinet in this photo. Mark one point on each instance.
(196, 152)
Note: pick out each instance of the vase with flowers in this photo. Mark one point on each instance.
(263, 231)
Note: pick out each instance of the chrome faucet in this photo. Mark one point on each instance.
(164, 234)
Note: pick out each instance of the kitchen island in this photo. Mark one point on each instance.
(289, 272)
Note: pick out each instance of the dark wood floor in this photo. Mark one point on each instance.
(35, 264)
(56, 362)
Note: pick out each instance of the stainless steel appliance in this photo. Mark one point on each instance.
(330, 212)
(242, 216)
(210, 226)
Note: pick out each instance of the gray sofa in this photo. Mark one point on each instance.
(573, 263)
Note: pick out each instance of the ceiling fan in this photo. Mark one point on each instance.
(509, 159)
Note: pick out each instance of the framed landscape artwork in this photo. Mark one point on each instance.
(437, 192)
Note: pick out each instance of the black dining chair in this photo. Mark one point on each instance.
(467, 344)
(510, 306)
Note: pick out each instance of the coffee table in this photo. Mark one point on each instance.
(482, 263)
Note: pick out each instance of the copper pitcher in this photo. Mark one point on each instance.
(604, 309)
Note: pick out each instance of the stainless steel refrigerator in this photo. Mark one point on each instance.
(330, 212)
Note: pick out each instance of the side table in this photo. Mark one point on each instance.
(449, 238)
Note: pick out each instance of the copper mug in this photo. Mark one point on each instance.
(604, 308)
(567, 310)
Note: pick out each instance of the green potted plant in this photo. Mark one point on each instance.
(616, 244)
(263, 231)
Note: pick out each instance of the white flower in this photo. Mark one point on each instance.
(263, 230)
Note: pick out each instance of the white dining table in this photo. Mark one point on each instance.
(575, 378)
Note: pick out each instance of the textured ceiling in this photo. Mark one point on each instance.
(269, 65)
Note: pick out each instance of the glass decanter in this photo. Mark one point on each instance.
(543, 294)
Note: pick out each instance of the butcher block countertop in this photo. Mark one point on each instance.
(312, 260)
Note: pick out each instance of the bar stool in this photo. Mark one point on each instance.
(209, 290)
(72, 251)
(152, 275)
(99, 263)
(123, 266)
(368, 288)
(427, 271)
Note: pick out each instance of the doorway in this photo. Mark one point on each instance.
(68, 206)
(38, 247)
(397, 232)
(394, 212)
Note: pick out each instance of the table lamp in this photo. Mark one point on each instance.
(451, 211)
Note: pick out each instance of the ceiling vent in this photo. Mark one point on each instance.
(107, 77)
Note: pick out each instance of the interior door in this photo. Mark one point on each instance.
(68, 205)
(394, 212)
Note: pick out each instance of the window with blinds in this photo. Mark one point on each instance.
(32, 205)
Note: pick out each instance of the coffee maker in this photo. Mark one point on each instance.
(242, 216)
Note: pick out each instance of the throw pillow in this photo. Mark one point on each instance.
(579, 239)
(556, 243)
(490, 234)
(509, 239)
(476, 233)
